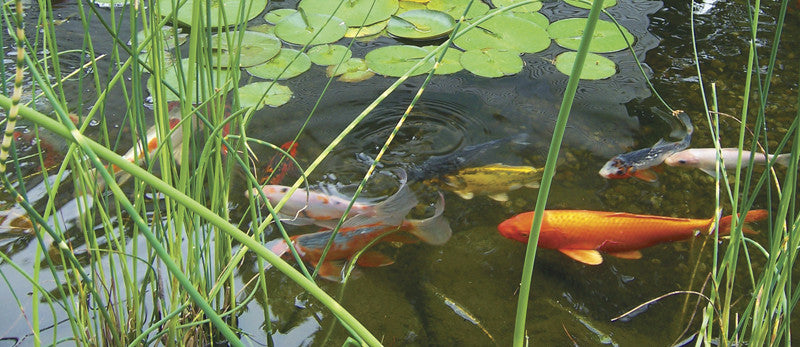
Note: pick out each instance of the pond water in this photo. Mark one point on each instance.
(465, 292)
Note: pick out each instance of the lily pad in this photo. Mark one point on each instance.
(170, 40)
(532, 7)
(421, 24)
(277, 95)
(455, 8)
(262, 28)
(596, 67)
(505, 32)
(252, 8)
(355, 13)
(285, 60)
(311, 28)
(450, 63)
(255, 48)
(369, 30)
(588, 4)
(492, 62)
(170, 77)
(275, 16)
(606, 38)
(536, 17)
(396, 61)
(329, 54)
(408, 5)
(353, 70)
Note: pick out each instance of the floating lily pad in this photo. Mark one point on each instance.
(492, 62)
(170, 77)
(536, 17)
(395, 61)
(354, 12)
(421, 24)
(409, 5)
(262, 28)
(368, 30)
(455, 8)
(606, 38)
(532, 7)
(252, 8)
(255, 48)
(353, 70)
(588, 4)
(277, 95)
(312, 29)
(329, 54)
(596, 67)
(274, 68)
(170, 40)
(275, 16)
(505, 32)
(450, 63)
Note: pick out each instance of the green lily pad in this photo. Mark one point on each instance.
(167, 34)
(395, 61)
(369, 30)
(409, 5)
(450, 63)
(311, 29)
(536, 17)
(262, 28)
(274, 68)
(492, 62)
(421, 24)
(455, 8)
(505, 32)
(275, 16)
(606, 38)
(353, 70)
(596, 67)
(355, 13)
(255, 48)
(329, 54)
(277, 95)
(170, 77)
(252, 8)
(532, 7)
(588, 4)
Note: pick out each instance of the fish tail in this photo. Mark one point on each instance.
(434, 230)
(393, 210)
(783, 159)
(751, 216)
(687, 122)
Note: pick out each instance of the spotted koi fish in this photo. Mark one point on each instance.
(638, 163)
(705, 159)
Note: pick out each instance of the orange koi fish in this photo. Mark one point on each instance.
(137, 153)
(356, 233)
(582, 235)
(278, 173)
(310, 207)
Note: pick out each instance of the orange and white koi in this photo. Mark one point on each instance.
(356, 234)
(705, 159)
(137, 153)
(582, 235)
(309, 207)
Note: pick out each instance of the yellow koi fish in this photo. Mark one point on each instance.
(493, 180)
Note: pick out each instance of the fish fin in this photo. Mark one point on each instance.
(395, 208)
(374, 259)
(783, 159)
(646, 175)
(586, 256)
(331, 270)
(502, 197)
(628, 254)
(711, 172)
(296, 220)
(434, 230)
(465, 195)
(532, 184)
(277, 246)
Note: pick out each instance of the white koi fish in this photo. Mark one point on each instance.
(309, 207)
(705, 158)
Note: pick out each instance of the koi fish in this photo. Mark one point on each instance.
(276, 173)
(137, 153)
(439, 165)
(637, 163)
(705, 159)
(493, 180)
(309, 207)
(582, 235)
(358, 232)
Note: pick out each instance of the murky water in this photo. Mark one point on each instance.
(465, 291)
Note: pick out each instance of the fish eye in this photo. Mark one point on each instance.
(682, 161)
(284, 190)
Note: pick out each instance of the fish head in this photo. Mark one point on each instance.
(682, 158)
(274, 193)
(617, 167)
(517, 227)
